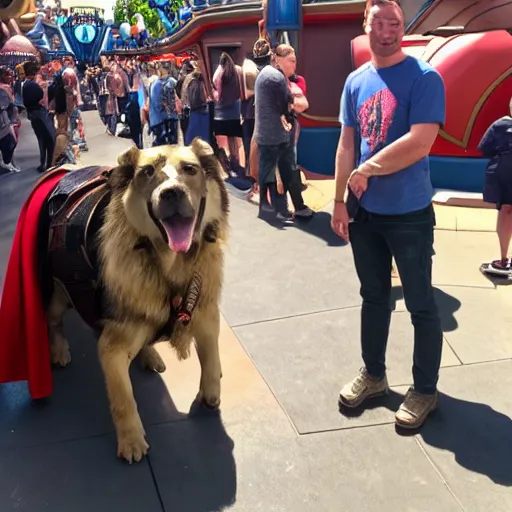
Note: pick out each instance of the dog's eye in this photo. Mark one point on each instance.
(147, 171)
(189, 169)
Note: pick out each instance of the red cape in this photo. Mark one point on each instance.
(24, 346)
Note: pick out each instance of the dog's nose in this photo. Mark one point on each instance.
(172, 195)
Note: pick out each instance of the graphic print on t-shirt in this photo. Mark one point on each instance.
(375, 117)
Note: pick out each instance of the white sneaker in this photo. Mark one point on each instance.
(241, 194)
(11, 167)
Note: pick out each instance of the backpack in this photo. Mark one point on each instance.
(168, 96)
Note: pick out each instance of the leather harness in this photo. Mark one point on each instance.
(75, 209)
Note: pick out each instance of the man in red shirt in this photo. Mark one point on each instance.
(301, 82)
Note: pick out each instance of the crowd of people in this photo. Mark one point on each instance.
(248, 113)
(50, 96)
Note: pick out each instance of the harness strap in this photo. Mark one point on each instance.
(191, 300)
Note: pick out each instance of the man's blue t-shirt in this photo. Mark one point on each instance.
(382, 104)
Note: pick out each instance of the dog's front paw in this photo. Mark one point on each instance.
(150, 360)
(209, 397)
(132, 446)
(59, 350)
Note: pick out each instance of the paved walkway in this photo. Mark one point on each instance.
(289, 342)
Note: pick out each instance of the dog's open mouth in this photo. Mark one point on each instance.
(180, 231)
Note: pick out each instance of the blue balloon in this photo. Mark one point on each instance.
(125, 30)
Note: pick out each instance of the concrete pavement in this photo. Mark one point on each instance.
(289, 341)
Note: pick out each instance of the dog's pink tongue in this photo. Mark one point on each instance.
(179, 234)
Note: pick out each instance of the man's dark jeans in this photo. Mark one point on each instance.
(45, 133)
(165, 133)
(409, 238)
(247, 133)
(7, 147)
(282, 156)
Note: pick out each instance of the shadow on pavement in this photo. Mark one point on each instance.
(446, 303)
(14, 189)
(392, 402)
(194, 466)
(191, 455)
(479, 437)
(319, 225)
(495, 279)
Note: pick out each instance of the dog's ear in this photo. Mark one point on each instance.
(129, 158)
(121, 176)
(201, 148)
(207, 158)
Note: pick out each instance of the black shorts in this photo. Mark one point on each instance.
(229, 128)
(498, 181)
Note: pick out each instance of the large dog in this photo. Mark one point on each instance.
(159, 247)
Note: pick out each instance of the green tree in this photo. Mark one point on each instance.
(125, 9)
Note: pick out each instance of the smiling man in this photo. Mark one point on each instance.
(391, 112)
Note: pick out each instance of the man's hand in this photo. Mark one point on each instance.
(286, 125)
(339, 220)
(358, 183)
(300, 104)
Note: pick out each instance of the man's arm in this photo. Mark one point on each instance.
(300, 102)
(217, 82)
(427, 114)
(345, 154)
(402, 153)
(345, 162)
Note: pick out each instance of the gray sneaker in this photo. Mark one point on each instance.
(284, 216)
(362, 387)
(304, 213)
(415, 409)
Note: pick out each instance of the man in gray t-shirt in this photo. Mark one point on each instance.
(275, 140)
(272, 97)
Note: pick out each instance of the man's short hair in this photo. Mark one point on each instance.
(283, 50)
(383, 3)
(30, 68)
